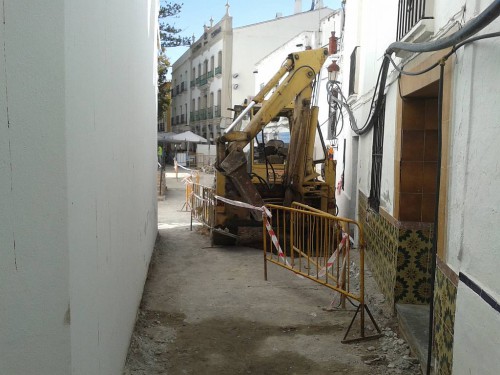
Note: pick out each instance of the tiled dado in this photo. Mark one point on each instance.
(399, 255)
(445, 294)
(381, 239)
(414, 265)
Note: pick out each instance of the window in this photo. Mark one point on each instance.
(353, 73)
(377, 153)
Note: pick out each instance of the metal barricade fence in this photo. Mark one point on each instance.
(317, 246)
(202, 204)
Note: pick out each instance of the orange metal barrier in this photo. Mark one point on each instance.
(202, 204)
(317, 246)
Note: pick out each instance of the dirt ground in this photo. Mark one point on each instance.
(208, 310)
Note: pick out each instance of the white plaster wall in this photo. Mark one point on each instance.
(387, 181)
(476, 335)
(110, 108)
(373, 35)
(252, 43)
(474, 197)
(473, 200)
(77, 186)
(474, 174)
(267, 67)
(34, 274)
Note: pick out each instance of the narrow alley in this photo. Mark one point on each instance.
(208, 310)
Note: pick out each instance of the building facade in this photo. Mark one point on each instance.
(428, 156)
(217, 72)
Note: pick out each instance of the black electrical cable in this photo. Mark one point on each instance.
(453, 50)
(378, 93)
(470, 28)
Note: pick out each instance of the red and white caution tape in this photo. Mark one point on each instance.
(263, 209)
(331, 261)
(270, 230)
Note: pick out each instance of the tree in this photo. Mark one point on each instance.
(163, 86)
(169, 37)
(169, 33)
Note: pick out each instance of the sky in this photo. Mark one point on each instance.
(196, 13)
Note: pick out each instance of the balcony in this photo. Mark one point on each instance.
(198, 81)
(218, 70)
(183, 119)
(203, 80)
(210, 113)
(191, 84)
(196, 115)
(191, 116)
(210, 74)
(415, 21)
(217, 111)
(203, 114)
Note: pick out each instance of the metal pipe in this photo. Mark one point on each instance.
(470, 28)
(436, 216)
(240, 117)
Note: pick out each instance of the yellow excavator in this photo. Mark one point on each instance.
(258, 164)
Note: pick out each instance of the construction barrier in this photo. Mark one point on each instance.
(202, 202)
(307, 241)
(317, 246)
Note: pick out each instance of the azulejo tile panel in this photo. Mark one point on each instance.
(381, 247)
(413, 266)
(399, 255)
(445, 293)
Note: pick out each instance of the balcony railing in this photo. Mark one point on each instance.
(410, 12)
(202, 80)
(196, 115)
(183, 119)
(198, 81)
(210, 74)
(218, 70)
(217, 111)
(191, 116)
(210, 112)
(203, 114)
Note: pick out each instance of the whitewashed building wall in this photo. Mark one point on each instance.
(77, 188)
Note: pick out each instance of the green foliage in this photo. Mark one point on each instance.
(169, 37)
(169, 34)
(163, 87)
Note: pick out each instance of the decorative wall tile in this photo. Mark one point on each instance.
(445, 293)
(400, 255)
(414, 264)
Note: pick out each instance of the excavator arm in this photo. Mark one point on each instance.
(294, 80)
